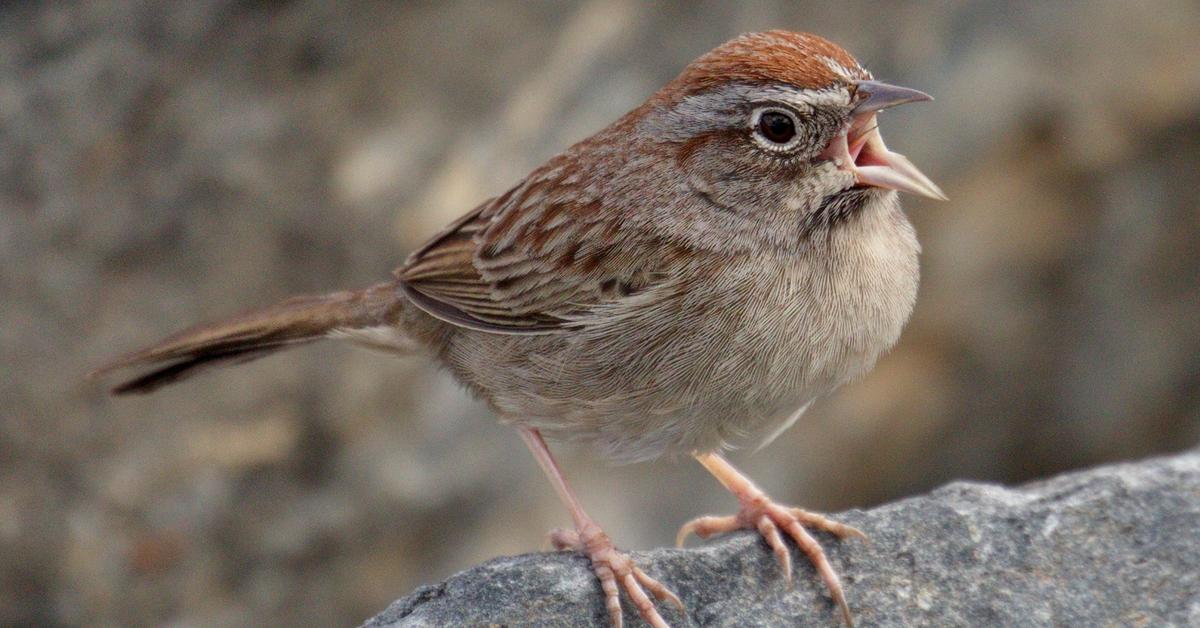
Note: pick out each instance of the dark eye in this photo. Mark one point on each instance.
(777, 127)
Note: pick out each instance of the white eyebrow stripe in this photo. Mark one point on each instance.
(710, 110)
(808, 99)
(846, 73)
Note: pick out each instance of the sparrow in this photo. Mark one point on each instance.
(689, 278)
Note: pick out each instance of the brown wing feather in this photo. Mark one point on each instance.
(527, 261)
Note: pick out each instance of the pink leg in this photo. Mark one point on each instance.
(613, 568)
(758, 512)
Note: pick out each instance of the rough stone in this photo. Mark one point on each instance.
(1117, 545)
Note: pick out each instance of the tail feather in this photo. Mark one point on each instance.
(255, 334)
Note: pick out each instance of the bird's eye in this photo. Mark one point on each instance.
(776, 126)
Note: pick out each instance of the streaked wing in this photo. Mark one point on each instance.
(526, 262)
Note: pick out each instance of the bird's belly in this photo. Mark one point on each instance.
(722, 360)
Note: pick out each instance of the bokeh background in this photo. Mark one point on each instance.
(166, 162)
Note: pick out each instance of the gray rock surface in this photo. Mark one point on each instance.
(1114, 546)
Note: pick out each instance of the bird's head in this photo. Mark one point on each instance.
(783, 123)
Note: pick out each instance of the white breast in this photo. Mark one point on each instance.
(827, 317)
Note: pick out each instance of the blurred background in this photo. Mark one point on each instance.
(167, 162)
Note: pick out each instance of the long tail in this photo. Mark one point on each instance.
(256, 333)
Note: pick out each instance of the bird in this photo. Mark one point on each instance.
(688, 279)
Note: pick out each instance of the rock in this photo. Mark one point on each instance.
(1117, 545)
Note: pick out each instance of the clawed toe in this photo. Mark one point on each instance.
(616, 571)
(705, 527)
(821, 522)
(562, 540)
(772, 522)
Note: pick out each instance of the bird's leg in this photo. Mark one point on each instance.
(758, 512)
(613, 568)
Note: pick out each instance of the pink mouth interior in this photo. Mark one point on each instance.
(861, 149)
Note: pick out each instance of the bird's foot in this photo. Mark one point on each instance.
(758, 512)
(616, 571)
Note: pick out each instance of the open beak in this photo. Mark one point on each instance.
(860, 149)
